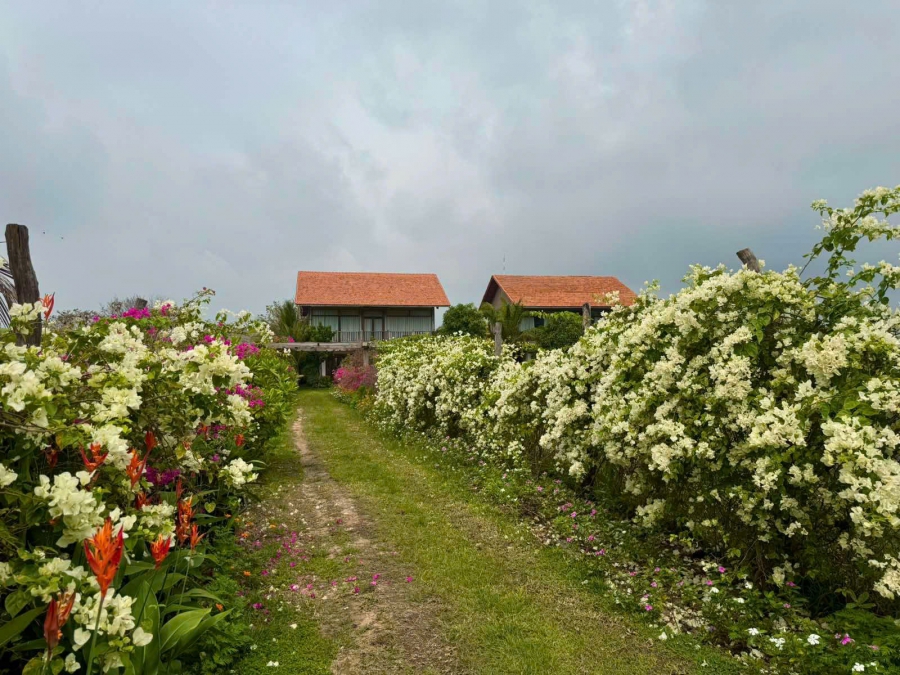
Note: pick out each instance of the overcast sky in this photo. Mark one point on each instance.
(159, 147)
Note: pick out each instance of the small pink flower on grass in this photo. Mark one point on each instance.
(409, 580)
(653, 584)
(787, 605)
(721, 570)
(356, 590)
(295, 587)
(648, 608)
(265, 573)
(846, 640)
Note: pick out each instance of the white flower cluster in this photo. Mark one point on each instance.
(238, 473)
(743, 408)
(79, 508)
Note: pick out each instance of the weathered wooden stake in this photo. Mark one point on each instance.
(746, 256)
(586, 315)
(27, 290)
(497, 330)
(365, 357)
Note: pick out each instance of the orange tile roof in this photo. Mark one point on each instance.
(369, 289)
(567, 292)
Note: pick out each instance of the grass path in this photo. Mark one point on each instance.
(483, 598)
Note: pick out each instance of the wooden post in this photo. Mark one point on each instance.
(497, 330)
(139, 303)
(747, 258)
(586, 315)
(365, 357)
(19, 254)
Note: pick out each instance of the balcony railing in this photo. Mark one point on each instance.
(370, 335)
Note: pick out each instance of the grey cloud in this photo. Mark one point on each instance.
(229, 145)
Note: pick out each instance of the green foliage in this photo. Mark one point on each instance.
(465, 319)
(509, 316)
(127, 404)
(560, 329)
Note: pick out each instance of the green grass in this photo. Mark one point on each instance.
(510, 606)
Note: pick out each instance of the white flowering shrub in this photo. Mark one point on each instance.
(756, 411)
(114, 435)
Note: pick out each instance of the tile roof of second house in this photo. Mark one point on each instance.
(561, 291)
(369, 289)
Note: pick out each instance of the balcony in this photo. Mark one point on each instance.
(359, 336)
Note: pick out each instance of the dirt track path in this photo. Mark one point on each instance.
(381, 628)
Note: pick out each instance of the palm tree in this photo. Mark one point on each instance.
(285, 320)
(509, 316)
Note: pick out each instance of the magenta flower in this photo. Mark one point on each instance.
(648, 608)
(846, 640)
(409, 580)
(721, 570)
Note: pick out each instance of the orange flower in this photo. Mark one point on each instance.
(185, 515)
(239, 440)
(141, 500)
(220, 606)
(159, 549)
(136, 466)
(247, 574)
(179, 488)
(104, 553)
(97, 457)
(195, 536)
(57, 614)
(48, 301)
(150, 441)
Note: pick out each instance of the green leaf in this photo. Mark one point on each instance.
(16, 602)
(146, 612)
(180, 627)
(11, 629)
(34, 667)
(210, 507)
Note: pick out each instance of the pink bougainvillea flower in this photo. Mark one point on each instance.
(409, 580)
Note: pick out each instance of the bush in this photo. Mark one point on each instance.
(354, 375)
(560, 329)
(126, 445)
(754, 413)
(465, 319)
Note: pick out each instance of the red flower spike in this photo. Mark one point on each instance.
(136, 466)
(150, 441)
(196, 537)
(159, 549)
(185, 515)
(57, 615)
(141, 500)
(104, 553)
(52, 455)
(239, 440)
(48, 301)
(97, 457)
